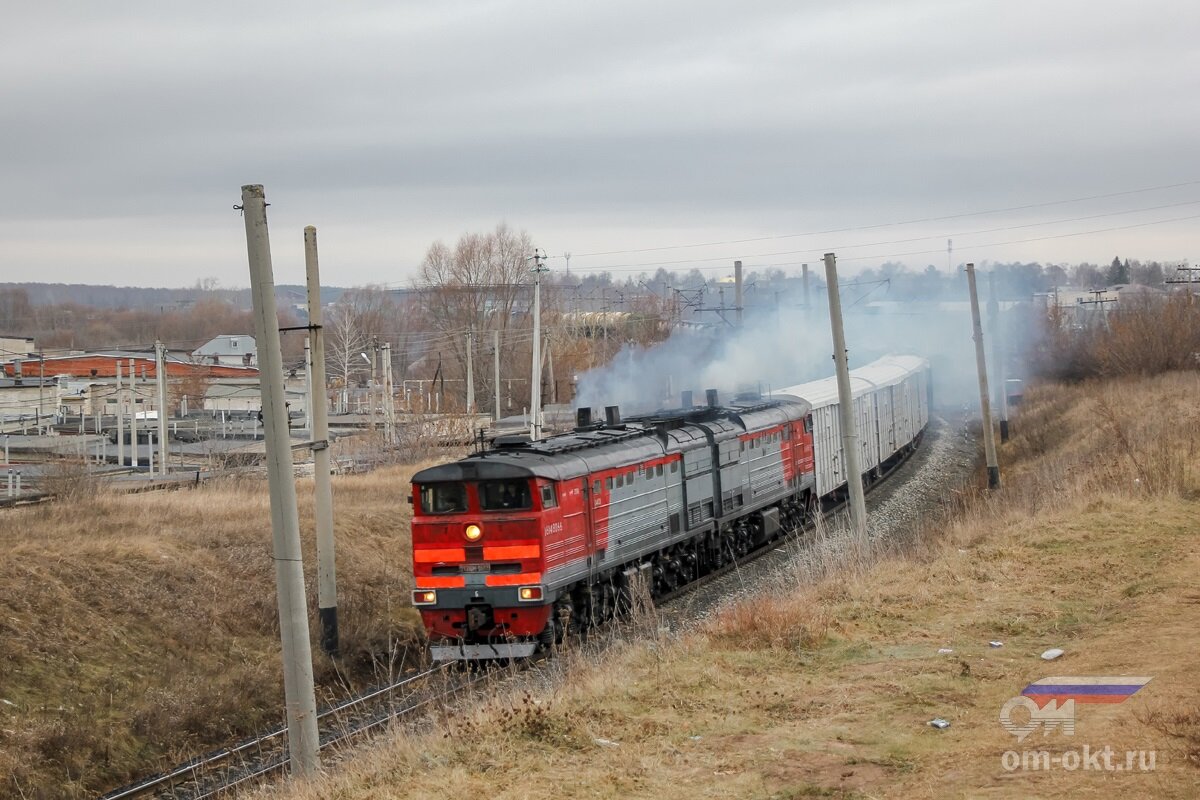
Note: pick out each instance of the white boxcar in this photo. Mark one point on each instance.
(891, 404)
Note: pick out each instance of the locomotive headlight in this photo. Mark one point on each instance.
(473, 533)
(424, 597)
(529, 593)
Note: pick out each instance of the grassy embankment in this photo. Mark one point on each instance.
(139, 630)
(826, 690)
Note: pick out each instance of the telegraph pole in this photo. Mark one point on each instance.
(303, 743)
(496, 368)
(998, 366)
(322, 489)
(535, 399)
(985, 409)
(847, 417)
(133, 440)
(160, 372)
(470, 374)
(373, 383)
(389, 405)
(737, 287)
(308, 385)
(120, 418)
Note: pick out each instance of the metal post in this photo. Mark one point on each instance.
(470, 374)
(7, 460)
(322, 486)
(737, 287)
(496, 368)
(160, 371)
(535, 389)
(11, 484)
(120, 419)
(133, 440)
(285, 522)
(847, 418)
(985, 410)
(998, 366)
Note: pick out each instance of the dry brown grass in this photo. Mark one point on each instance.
(1090, 547)
(141, 629)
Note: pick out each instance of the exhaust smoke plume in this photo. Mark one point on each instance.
(777, 349)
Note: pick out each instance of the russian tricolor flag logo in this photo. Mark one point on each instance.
(1105, 689)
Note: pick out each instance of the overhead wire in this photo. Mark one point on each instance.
(915, 221)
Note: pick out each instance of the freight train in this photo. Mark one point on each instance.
(518, 545)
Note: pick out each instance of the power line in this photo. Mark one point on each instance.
(826, 248)
(915, 221)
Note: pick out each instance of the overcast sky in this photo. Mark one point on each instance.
(128, 129)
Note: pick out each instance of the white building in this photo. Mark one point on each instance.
(230, 350)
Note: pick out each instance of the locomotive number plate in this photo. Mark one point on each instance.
(476, 567)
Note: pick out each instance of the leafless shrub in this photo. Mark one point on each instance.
(1143, 336)
(68, 479)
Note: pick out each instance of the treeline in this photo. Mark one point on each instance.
(77, 326)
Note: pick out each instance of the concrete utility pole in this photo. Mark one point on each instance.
(389, 406)
(285, 522)
(120, 419)
(804, 268)
(985, 409)
(998, 366)
(373, 382)
(470, 374)
(133, 440)
(496, 368)
(847, 418)
(160, 372)
(308, 385)
(322, 485)
(535, 390)
(737, 288)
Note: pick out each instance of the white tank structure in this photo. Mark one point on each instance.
(891, 404)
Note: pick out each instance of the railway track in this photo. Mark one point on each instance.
(249, 762)
(252, 760)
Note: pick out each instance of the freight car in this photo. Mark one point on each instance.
(515, 546)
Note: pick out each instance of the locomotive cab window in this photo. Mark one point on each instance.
(444, 498)
(549, 497)
(504, 495)
(808, 424)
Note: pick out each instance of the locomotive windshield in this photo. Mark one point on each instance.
(443, 498)
(504, 495)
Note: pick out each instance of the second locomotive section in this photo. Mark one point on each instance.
(514, 546)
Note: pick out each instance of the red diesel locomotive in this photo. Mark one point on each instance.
(517, 545)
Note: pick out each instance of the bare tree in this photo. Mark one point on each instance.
(344, 340)
(480, 285)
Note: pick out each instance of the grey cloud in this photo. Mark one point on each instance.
(411, 122)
